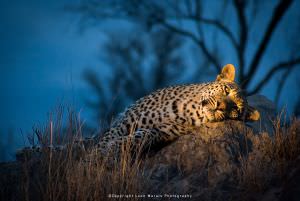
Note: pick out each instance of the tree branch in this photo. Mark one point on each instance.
(281, 83)
(243, 35)
(201, 44)
(197, 18)
(189, 6)
(289, 65)
(217, 24)
(279, 12)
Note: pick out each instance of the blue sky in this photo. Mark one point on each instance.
(43, 56)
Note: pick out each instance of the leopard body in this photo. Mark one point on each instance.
(166, 114)
(171, 112)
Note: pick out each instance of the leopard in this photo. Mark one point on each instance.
(168, 113)
(164, 115)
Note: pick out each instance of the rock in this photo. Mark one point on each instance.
(204, 160)
(267, 110)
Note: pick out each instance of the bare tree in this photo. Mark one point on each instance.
(133, 58)
(179, 16)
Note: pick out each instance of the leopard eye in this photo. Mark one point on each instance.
(227, 90)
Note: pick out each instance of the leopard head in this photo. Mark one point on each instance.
(235, 102)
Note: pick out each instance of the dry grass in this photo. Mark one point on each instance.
(64, 175)
(271, 157)
(59, 176)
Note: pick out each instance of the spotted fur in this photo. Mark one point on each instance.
(168, 113)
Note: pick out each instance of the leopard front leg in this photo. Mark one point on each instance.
(220, 108)
(213, 109)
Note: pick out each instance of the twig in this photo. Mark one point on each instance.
(281, 66)
(280, 10)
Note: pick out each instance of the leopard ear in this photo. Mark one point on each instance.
(227, 74)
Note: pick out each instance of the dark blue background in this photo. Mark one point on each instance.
(43, 55)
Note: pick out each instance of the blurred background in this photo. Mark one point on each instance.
(97, 57)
